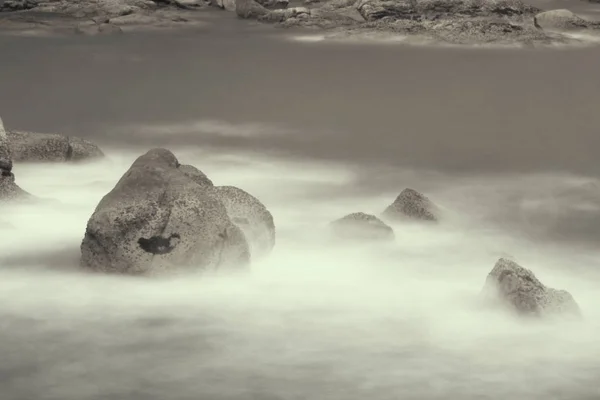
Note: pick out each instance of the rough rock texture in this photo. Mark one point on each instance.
(50, 147)
(360, 226)
(251, 216)
(9, 190)
(439, 9)
(519, 289)
(411, 204)
(157, 220)
(562, 20)
(196, 175)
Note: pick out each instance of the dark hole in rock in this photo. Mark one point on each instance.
(159, 244)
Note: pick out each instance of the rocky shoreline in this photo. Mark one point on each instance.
(455, 22)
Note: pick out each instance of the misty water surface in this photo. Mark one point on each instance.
(504, 141)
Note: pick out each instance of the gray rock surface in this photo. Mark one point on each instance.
(251, 216)
(413, 205)
(158, 221)
(196, 175)
(50, 147)
(562, 20)
(361, 227)
(9, 190)
(520, 290)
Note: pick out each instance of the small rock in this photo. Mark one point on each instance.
(519, 289)
(251, 216)
(411, 204)
(9, 190)
(93, 29)
(360, 226)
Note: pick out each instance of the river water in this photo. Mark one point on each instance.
(505, 141)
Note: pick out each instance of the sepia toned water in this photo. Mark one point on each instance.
(505, 141)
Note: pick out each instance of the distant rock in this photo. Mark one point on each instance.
(50, 147)
(251, 216)
(157, 220)
(361, 227)
(411, 204)
(18, 5)
(519, 289)
(562, 20)
(9, 190)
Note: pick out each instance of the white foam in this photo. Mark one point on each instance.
(392, 318)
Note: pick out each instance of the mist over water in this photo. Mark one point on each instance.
(315, 320)
(504, 141)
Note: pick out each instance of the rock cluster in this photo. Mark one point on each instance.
(448, 21)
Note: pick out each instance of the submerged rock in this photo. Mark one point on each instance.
(50, 147)
(562, 20)
(519, 289)
(159, 220)
(361, 227)
(411, 204)
(251, 216)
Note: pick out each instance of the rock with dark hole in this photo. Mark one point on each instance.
(251, 216)
(413, 205)
(516, 287)
(361, 227)
(50, 147)
(157, 220)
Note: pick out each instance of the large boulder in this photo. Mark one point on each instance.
(50, 147)
(561, 20)
(518, 288)
(158, 220)
(361, 227)
(9, 190)
(411, 204)
(251, 216)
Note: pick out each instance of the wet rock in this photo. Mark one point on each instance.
(518, 288)
(561, 20)
(157, 220)
(251, 216)
(411, 204)
(196, 175)
(361, 227)
(50, 147)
